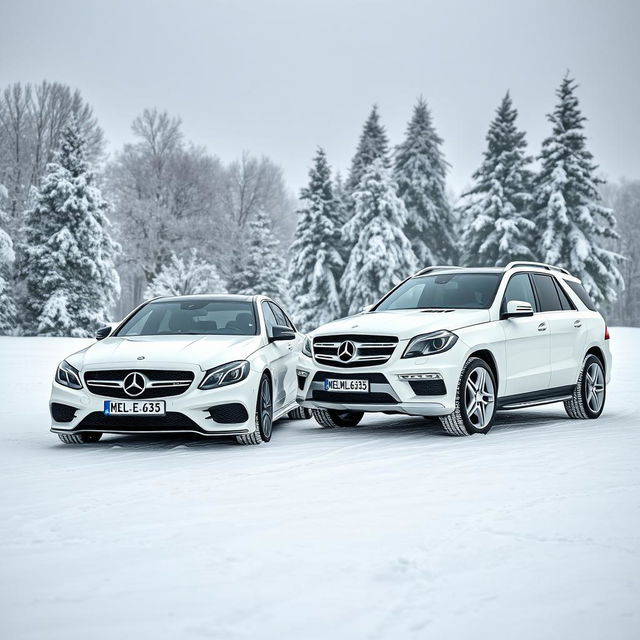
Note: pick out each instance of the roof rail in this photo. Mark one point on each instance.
(541, 265)
(435, 267)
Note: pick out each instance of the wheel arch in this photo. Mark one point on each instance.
(490, 359)
(598, 353)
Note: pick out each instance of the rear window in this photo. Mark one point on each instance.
(580, 291)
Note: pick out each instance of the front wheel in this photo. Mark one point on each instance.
(264, 415)
(590, 393)
(299, 413)
(85, 437)
(333, 418)
(475, 401)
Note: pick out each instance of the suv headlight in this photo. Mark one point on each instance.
(229, 373)
(68, 376)
(306, 347)
(430, 343)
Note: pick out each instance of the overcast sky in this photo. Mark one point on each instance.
(279, 78)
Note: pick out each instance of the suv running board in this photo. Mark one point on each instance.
(534, 398)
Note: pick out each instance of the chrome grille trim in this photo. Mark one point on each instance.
(383, 347)
(158, 382)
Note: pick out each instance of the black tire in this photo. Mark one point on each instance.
(85, 437)
(333, 418)
(264, 415)
(583, 405)
(299, 413)
(460, 422)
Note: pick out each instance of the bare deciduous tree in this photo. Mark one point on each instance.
(32, 119)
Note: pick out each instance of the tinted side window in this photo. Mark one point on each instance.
(281, 316)
(567, 305)
(269, 317)
(579, 290)
(547, 292)
(519, 288)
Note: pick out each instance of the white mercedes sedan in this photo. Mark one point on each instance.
(215, 365)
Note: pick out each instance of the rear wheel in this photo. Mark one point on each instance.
(590, 393)
(79, 438)
(475, 401)
(264, 415)
(334, 418)
(299, 413)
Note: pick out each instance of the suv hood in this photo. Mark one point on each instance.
(404, 323)
(165, 351)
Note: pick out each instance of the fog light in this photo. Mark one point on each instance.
(419, 376)
(302, 373)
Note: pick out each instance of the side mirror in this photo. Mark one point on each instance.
(280, 332)
(104, 332)
(367, 308)
(518, 308)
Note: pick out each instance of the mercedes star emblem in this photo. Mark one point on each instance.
(346, 351)
(134, 384)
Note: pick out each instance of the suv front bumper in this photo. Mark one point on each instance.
(388, 391)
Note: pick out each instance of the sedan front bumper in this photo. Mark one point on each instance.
(185, 413)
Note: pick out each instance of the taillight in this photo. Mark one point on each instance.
(606, 332)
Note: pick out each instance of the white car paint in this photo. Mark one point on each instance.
(196, 354)
(533, 354)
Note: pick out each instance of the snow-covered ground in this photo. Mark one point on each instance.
(388, 530)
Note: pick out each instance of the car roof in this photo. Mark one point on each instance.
(222, 297)
(510, 268)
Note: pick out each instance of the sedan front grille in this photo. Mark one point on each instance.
(353, 350)
(157, 384)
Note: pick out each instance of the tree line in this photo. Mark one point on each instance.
(84, 236)
(392, 215)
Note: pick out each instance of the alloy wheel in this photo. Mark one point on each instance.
(479, 398)
(266, 422)
(594, 387)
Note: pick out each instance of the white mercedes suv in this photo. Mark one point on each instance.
(216, 365)
(461, 343)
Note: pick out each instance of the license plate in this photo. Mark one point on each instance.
(134, 408)
(331, 384)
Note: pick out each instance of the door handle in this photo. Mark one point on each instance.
(577, 324)
(542, 326)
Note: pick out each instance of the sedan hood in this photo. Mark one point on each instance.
(203, 351)
(404, 323)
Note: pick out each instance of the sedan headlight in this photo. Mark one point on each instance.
(226, 374)
(68, 376)
(306, 347)
(430, 343)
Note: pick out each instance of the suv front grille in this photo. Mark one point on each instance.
(353, 350)
(158, 384)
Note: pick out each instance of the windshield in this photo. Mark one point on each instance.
(444, 291)
(192, 317)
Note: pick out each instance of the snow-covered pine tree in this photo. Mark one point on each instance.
(316, 265)
(570, 219)
(258, 267)
(497, 209)
(7, 258)
(67, 258)
(420, 172)
(381, 254)
(373, 145)
(186, 276)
